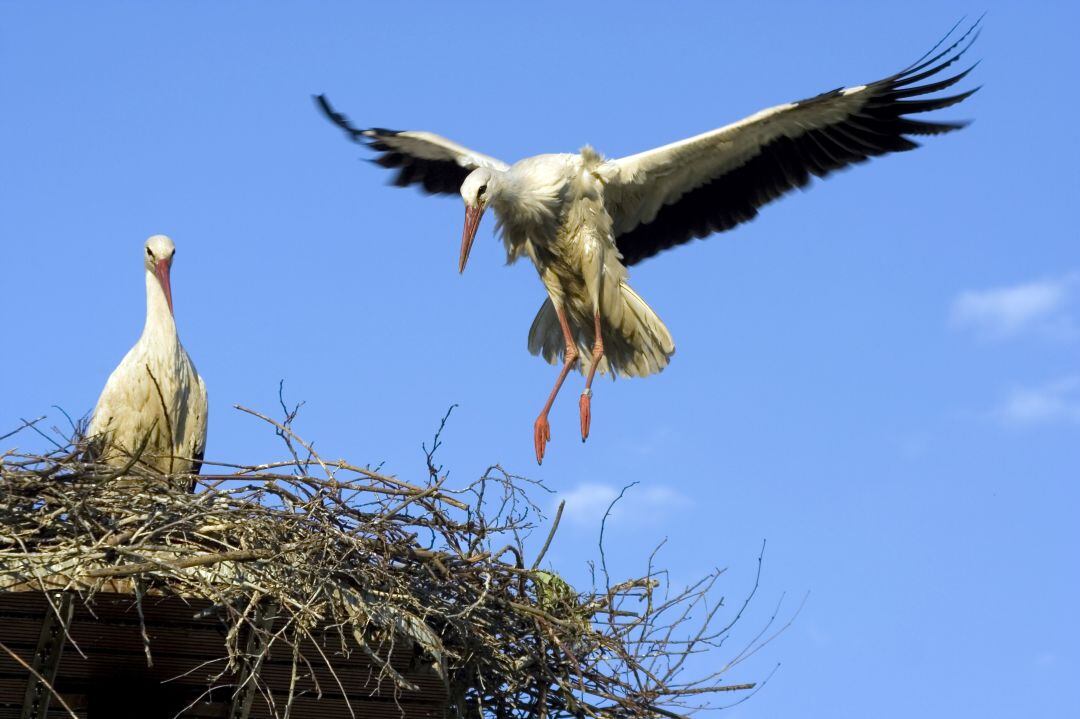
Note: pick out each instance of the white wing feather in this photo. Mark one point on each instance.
(429, 146)
(639, 185)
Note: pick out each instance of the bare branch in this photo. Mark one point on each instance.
(368, 562)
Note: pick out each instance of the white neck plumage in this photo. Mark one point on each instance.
(159, 318)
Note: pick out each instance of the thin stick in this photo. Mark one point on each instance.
(126, 570)
(551, 534)
(41, 679)
(164, 411)
(21, 427)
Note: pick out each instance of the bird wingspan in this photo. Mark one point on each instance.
(438, 165)
(714, 181)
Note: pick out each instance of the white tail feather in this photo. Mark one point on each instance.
(636, 342)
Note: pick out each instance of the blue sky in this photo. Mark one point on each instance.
(879, 375)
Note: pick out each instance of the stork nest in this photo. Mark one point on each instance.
(328, 544)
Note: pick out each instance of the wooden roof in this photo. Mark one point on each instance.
(103, 672)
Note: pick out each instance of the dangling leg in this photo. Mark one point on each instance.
(541, 428)
(585, 403)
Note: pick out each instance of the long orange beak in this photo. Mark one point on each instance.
(472, 221)
(161, 269)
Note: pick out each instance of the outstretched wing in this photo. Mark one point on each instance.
(717, 180)
(438, 165)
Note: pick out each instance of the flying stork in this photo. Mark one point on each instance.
(583, 219)
(155, 399)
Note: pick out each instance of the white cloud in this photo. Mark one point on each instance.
(1057, 401)
(1041, 306)
(587, 502)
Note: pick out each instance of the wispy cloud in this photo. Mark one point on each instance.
(1042, 307)
(587, 502)
(1057, 401)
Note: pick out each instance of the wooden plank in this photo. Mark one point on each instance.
(114, 673)
(115, 625)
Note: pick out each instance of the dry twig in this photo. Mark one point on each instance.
(375, 559)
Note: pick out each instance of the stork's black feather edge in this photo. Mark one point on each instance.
(879, 127)
(437, 177)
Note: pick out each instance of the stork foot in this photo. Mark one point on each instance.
(585, 407)
(541, 436)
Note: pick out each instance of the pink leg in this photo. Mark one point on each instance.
(541, 428)
(585, 403)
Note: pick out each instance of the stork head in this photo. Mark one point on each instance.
(475, 191)
(158, 257)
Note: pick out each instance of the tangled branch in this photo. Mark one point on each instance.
(326, 545)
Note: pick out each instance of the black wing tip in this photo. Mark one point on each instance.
(904, 84)
(938, 128)
(426, 175)
(382, 131)
(880, 126)
(908, 107)
(324, 105)
(367, 136)
(974, 31)
(336, 117)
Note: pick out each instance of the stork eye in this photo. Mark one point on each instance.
(149, 253)
(482, 191)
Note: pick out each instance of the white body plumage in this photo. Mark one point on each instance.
(550, 208)
(155, 394)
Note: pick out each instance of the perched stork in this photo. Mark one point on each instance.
(154, 399)
(583, 219)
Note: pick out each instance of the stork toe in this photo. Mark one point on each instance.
(541, 436)
(585, 408)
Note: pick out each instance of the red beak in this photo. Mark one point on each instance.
(161, 269)
(472, 221)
